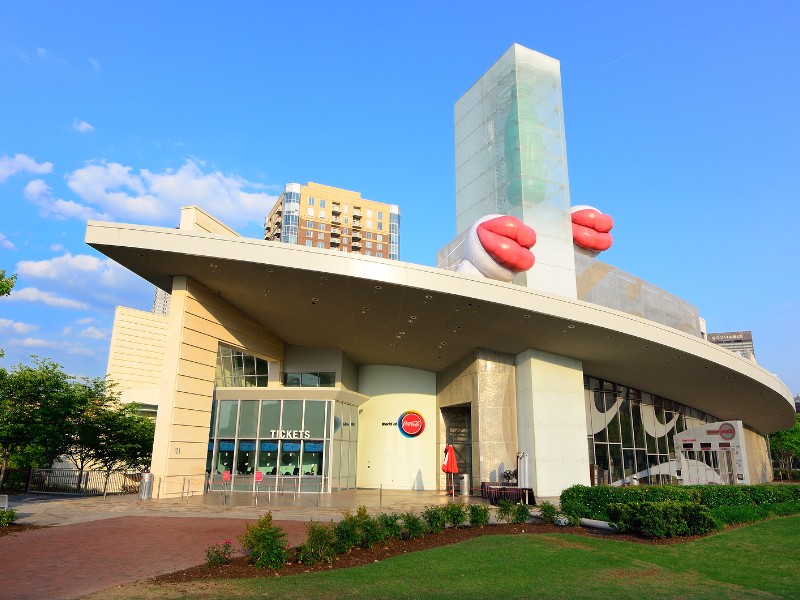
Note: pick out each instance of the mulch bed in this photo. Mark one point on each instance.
(239, 568)
(17, 527)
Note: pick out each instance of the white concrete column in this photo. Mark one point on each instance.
(551, 421)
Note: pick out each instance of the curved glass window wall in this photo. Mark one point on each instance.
(630, 433)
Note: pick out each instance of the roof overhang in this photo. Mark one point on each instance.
(389, 312)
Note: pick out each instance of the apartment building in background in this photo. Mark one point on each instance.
(321, 216)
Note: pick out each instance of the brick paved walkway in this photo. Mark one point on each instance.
(70, 561)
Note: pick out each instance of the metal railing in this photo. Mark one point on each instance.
(83, 483)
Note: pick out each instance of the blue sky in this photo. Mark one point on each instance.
(681, 122)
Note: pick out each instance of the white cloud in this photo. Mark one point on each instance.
(35, 343)
(82, 126)
(157, 197)
(95, 66)
(9, 326)
(93, 333)
(39, 193)
(58, 248)
(6, 243)
(20, 163)
(104, 271)
(85, 321)
(49, 298)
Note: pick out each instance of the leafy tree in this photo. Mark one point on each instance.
(6, 283)
(785, 445)
(37, 409)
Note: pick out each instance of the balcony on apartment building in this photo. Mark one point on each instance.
(336, 208)
(336, 231)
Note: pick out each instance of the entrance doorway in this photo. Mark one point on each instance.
(458, 433)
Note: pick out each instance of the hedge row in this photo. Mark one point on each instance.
(580, 501)
(665, 519)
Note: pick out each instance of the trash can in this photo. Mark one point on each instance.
(146, 486)
(464, 478)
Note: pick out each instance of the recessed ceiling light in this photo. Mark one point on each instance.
(140, 255)
(269, 270)
(323, 278)
(526, 316)
(365, 308)
(213, 266)
(399, 337)
(443, 343)
(570, 326)
(412, 317)
(429, 297)
(377, 287)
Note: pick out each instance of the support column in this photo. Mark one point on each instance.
(551, 421)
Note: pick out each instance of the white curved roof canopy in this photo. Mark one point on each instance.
(388, 312)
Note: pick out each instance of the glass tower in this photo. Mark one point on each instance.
(511, 159)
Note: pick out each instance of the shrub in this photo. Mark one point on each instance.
(505, 511)
(435, 518)
(456, 514)
(734, 515)
(713, 496)
(370, 531)
(15, 481)
(219, 554)
(391, 525)
(8, 517)
(521, 513)
(346, 534)
(265, 543)
(663, 519)
(548, 511)
(478, 515)
(319, 545)
(414, 526)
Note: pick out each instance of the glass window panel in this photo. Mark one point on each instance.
(246, 457)
(615, 461)
(310, 379)
(291, 379)
(327, 379)
(292, 415)
(641, 464)
(290, 458)
(270, 418)
(354, 423)
(626, 425)
(249, 365)
(337, 421)
(602, 435)
(638, 427)
(314, 421)
(225, 456)
(352, 469)
(629, 465)
(335, 457)
(312, 458)
(227, 418)
(248, 419)
(268, 457)
(613, 424)
(210, 456)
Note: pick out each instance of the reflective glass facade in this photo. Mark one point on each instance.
(630, 433)
(291, 215)
(238, 369)
(297, 445)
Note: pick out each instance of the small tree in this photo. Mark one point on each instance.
(6, 284)
(785, 445)
(37, 406)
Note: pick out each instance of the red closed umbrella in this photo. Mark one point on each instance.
(449, 465)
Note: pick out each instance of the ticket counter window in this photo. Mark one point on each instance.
(290, 458)
(268, 458)
(312, 458)
(246, 458)
(225, 456)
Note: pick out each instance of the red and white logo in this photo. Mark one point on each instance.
(727, 431)
(411, 423)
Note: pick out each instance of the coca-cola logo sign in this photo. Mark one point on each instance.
(411, 424)
(727, 431)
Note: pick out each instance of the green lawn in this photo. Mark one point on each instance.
(757, 561)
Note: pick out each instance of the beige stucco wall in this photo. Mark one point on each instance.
(385, 457)
(199, 320)
(136, 354)
(759, 463)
